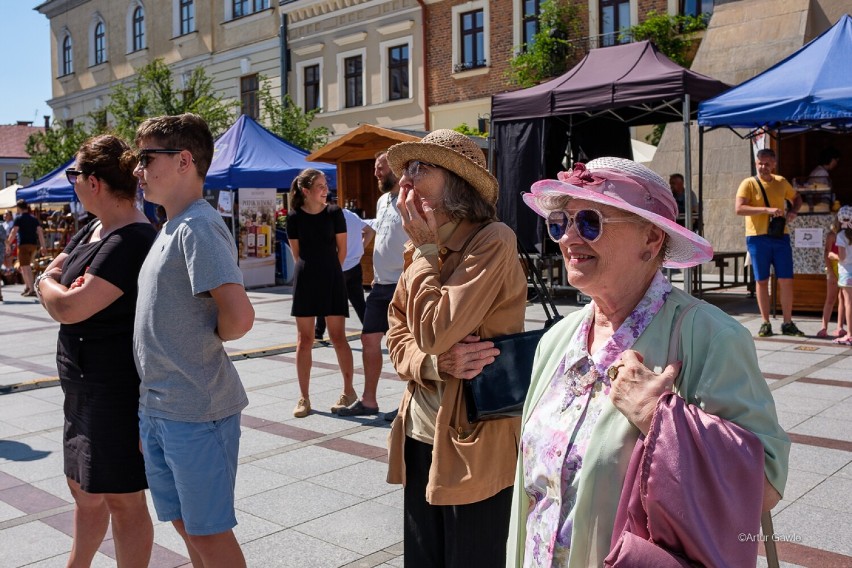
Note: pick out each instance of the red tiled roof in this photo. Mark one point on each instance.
(13, 139)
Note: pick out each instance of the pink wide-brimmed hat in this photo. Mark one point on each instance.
(631, 187)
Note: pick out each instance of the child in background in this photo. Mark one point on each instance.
(844, 277)
(831, 293)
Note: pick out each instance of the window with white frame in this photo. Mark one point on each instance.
(186, 16)
(529, 21)
(615, 19)
(308, 93)
(67, 55)
(11, 178)
(311, 87)
(99, 43)
(353, 81)
(396, 68)
(471, 41)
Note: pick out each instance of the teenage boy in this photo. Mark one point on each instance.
(191, 300)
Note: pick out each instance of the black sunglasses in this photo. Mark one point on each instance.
(145, 158)
(589, 224)
(71, 174)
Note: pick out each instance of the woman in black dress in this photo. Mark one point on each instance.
(90, 288)
(317, 234)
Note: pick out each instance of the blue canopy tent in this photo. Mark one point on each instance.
(810, 89)
(248, 155)
(50, 188)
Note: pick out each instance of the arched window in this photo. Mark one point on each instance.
(67, 56)
(100, 43)
(138, 29)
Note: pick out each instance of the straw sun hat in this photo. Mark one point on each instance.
(452, 151)
(631, 187)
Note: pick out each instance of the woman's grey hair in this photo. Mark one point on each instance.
(462, 201)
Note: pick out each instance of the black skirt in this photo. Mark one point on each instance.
(101, 431)
(319, 290)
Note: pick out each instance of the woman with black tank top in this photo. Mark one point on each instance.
(90, 288)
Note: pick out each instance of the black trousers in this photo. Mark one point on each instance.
(450, 536)
(354, 278)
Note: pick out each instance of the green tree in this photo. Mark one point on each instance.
(152, 92)
(288, 120)
(470, 131)
(50, 149)
(672, 35)
(551, 51)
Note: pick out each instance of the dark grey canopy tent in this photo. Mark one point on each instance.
(587, 112)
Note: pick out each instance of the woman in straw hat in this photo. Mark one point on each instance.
(601, 405)
(462, 281)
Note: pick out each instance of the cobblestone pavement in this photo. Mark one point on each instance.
(311, 492)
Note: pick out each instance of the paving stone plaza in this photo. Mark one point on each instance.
(311, 492)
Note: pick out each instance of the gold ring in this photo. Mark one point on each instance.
(612, 372)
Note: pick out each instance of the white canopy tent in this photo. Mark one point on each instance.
(7, 196)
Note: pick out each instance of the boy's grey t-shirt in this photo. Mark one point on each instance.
(186, 374)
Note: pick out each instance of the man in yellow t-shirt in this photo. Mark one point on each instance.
(766, 250)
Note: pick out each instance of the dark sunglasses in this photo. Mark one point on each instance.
(145, 154)
(413, 168)
(589, 223)
(71, 174)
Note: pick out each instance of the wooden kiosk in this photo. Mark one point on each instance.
(355, 156)
(797, 156)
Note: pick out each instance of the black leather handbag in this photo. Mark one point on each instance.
(500, 390)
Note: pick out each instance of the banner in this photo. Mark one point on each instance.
(256, 234)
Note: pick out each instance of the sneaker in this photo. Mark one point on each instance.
(790, 328)
(343, 402)
(765, 330)
(303, 408)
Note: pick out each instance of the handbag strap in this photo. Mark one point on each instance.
(676, 339)
(763, 191)
(538, 285)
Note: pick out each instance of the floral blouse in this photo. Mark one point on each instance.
(556, 436)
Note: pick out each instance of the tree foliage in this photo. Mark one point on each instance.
(152, 92)
(53, 147)
(671, 34)
(470, 131)
(552, 50)
(288, 120)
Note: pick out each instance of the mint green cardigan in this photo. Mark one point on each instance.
(720, 374)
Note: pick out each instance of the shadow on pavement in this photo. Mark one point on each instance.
(17, 451)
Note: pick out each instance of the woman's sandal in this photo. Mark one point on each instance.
(823, 333)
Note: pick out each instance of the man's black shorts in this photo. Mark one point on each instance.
(376, 312)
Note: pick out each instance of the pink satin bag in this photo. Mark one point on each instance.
(693, 487)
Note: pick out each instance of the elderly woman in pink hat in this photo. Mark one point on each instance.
(647, 404)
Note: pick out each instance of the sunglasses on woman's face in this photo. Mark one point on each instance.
(414, 169)
(589, 224)
(71, 174)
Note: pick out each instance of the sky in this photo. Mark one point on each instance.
(24, 62)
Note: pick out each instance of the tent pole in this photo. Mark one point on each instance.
(687, 178)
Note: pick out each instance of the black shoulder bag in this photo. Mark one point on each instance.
(500, 390)
(775, 229)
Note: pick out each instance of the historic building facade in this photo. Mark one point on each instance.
(99, 43)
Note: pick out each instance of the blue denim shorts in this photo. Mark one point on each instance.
(769, 251)
(192, 469)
